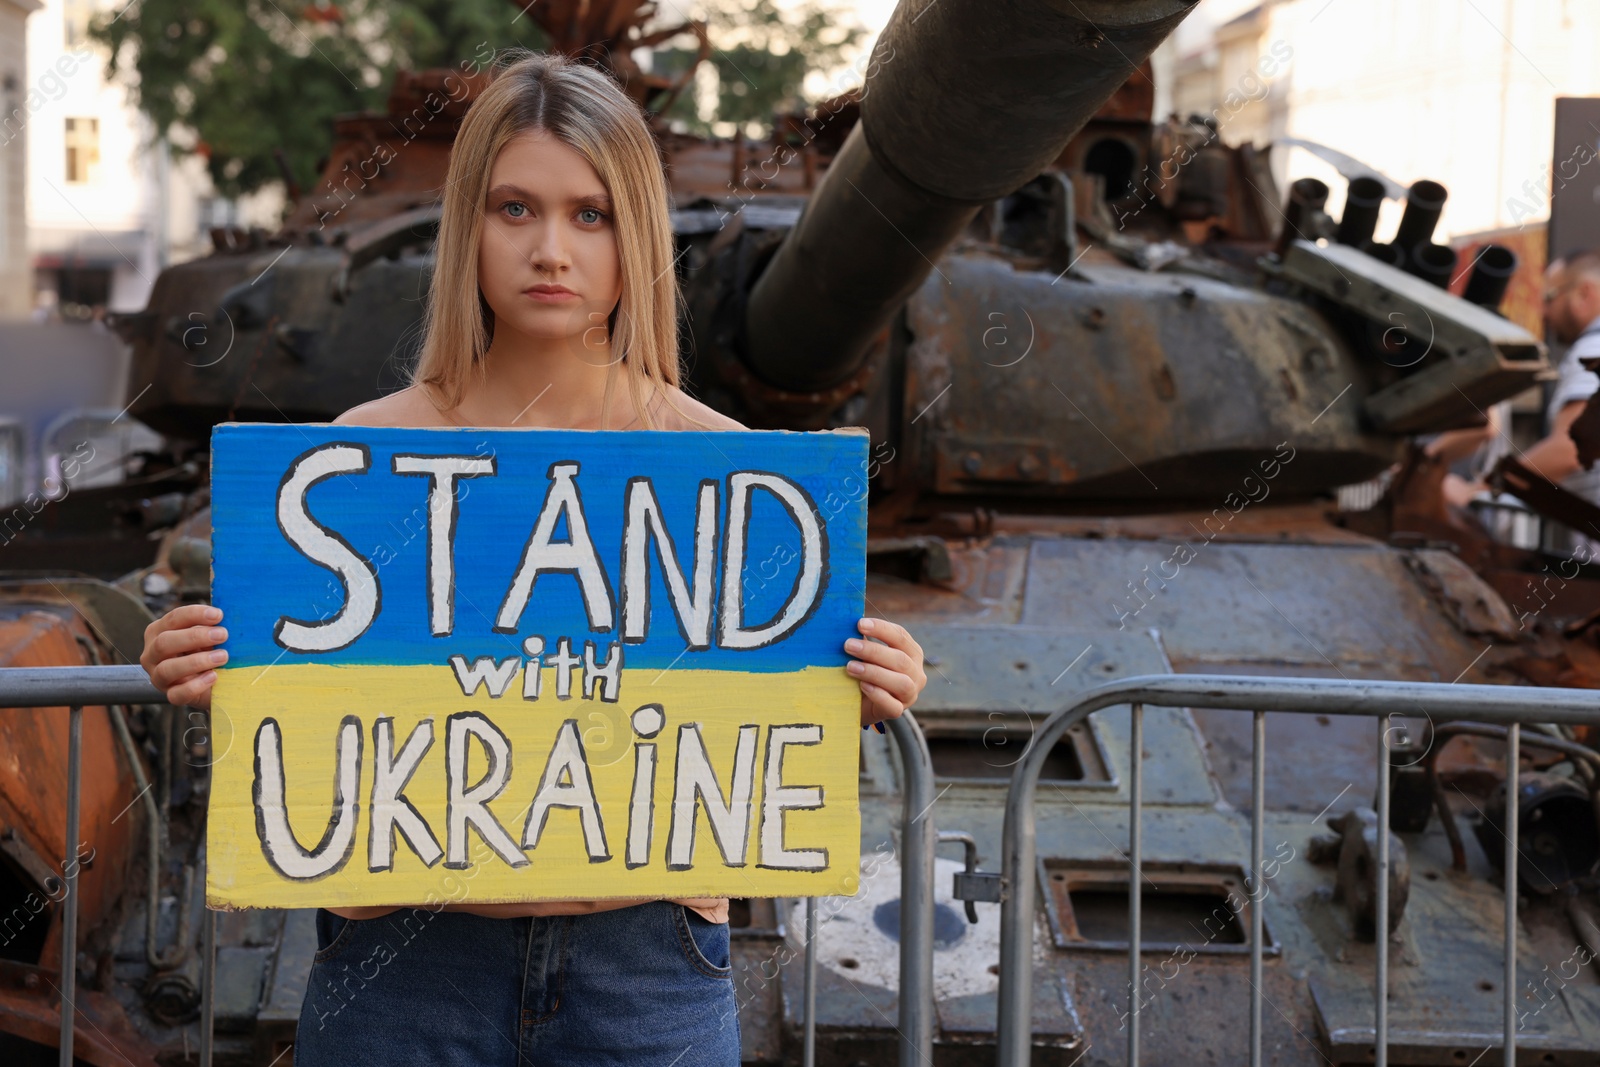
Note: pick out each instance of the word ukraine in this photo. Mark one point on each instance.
(574, 676)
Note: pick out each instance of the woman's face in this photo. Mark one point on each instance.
(547, 254)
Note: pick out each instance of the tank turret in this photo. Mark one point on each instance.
(1079, 303)
(927, 155)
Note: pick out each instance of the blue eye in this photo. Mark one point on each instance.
(521, 209)
(589, 211)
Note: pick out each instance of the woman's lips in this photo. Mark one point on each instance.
(550, 294)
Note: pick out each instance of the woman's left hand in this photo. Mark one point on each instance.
(890, 672)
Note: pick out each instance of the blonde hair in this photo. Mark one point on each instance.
(584, 109)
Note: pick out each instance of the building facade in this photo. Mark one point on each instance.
(1463, 94)
(107, 205)
(16, 288)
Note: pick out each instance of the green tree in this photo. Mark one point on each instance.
(761, 55)
(241, 82)
(237, 81)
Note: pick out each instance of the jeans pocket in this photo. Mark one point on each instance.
(705, 944)
(333, 934)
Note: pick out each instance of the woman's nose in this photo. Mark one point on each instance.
(550, 250)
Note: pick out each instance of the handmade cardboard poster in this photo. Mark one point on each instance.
(517, 665)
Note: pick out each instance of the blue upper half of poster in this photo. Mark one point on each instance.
(366, 545)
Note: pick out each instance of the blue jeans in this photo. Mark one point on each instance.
(642, 986)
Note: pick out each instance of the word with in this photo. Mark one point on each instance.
(382, 154)
(1224, 916)
(12, 525)
(1248, 89)
(691, 598)
(52, 86)
(496, 676)
(566, 782)
(1184, 553)
(55, 891)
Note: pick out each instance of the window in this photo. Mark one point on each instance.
(75, 16)
(83, 148)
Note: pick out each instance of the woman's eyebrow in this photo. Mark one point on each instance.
(600, 200)
(505, 189)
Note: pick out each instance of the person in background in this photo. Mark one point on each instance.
(1471, 453)
(1572, 318)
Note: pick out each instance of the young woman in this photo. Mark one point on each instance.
(553, 304)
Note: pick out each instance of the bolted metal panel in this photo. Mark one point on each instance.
(1470, 357)
(1000, 682)
(1290, 607)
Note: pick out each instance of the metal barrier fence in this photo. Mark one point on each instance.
(75, 688)
(78, 687)
(1512, 705)
(918, 841)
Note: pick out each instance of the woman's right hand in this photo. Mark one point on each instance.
(180, 653)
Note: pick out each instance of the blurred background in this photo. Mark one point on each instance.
(129, 132)
(132, 135)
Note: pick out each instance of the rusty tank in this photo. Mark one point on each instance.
(1119, 388)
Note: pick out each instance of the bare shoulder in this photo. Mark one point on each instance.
(680, 411)
(408, 407)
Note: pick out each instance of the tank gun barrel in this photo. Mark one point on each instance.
(965, 101)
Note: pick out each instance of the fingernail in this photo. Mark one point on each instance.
(217, 635)
(866, 624)
(855, 667)
(209, 676)
(219, 656)
(212, 614)
(854, 645)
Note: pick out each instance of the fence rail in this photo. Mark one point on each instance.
(75, 688)
(1511, 705)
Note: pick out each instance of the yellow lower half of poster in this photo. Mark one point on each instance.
(344, 786)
